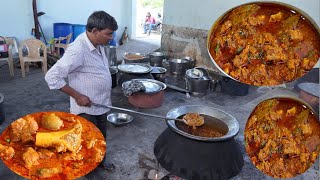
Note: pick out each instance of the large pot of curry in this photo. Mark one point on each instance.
(264, 43)
(282, 136)
(52, 145)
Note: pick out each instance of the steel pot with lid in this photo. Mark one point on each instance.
(179, 66)
(156, 59)
(198, 81)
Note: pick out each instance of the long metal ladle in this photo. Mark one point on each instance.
(137, 112)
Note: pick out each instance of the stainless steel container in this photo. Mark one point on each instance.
(136, 58)
(179, 66)
(159, 73)
(111, 54)
(192, 61)
(198, 85)
(156, 59)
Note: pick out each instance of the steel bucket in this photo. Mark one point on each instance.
(200, 85)
(179, 66)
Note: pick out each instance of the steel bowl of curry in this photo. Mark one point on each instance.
(282, 137)
(264, 43)
(218, 125)
(52, 145)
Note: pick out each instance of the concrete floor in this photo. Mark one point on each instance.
(125, 144)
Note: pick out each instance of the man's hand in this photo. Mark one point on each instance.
(83, 100)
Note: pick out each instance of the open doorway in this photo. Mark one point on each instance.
(153, 10)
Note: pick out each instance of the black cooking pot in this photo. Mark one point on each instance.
(233, 88)
(2, 114)
(113, 72)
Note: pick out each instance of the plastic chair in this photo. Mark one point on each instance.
(59, 44)
(34, 48)
(9, 59)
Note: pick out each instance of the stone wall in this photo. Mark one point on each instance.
(178, 42)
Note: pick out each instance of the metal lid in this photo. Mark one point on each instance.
(135, 68)
(194, 73)
(156, 54)
(179, 60)
(151, 87)
(158, 70)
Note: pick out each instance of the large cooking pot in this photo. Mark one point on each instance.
(136, 58)
(225, 121)
(156, 59)
(212, 48)
(180, 66)
(232, 87)
(147, 100)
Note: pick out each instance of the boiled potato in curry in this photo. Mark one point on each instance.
(51, 122)
(51, 145)
(264, 44)
(282, 137)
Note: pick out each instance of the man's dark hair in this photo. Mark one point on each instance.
(101, 20)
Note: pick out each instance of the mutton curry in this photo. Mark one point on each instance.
(264, 44)
(52, 145)
(282, 137)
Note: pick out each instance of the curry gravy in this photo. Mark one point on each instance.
(212, 127)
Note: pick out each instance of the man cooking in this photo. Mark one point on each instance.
(86, 66)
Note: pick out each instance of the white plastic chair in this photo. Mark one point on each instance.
(9, 59)
(33, 47)
(58, 43)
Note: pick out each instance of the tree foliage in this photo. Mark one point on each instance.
(151, 3)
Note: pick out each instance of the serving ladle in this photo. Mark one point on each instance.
(145, 114)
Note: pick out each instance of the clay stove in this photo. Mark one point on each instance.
(192, 157)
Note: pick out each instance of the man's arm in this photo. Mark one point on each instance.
(56, 75)
(81, 99)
